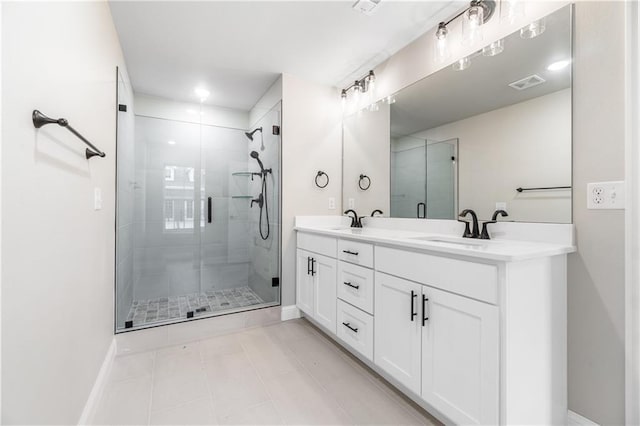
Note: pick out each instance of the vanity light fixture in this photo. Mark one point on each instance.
(511, 10)
(493, 49)
(391, 99)
(462, 64)
(534, 29)
(473, 18)
(557, 66)
(362, 85)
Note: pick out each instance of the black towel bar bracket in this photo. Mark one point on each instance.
(39, 120)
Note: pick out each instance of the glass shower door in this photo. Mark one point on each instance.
(408, 178)
(441, 179)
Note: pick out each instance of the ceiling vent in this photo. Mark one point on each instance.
(527, 82)
(368, 7)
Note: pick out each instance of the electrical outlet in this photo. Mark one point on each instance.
(352, 203)
(606, 195)
(332, 203)
(501, 205)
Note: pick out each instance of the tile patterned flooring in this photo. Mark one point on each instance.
(287, 373)
(144, 312)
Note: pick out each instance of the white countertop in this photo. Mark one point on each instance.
(500, 250)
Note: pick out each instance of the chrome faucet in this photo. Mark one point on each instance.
(356, 222)
(474, 217)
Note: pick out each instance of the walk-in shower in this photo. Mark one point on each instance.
(190, 245)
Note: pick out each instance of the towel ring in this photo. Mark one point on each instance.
(318, 176)
(362, 178)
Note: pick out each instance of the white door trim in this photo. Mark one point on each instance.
(632, 216)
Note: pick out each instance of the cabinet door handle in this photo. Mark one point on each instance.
(355, 253)
(413, 312)
(348, 325)
(351, 285)
(308, 265)
(313, 266)
(209, 210)
(425, 314)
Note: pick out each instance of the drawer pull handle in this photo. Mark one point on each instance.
(351, 285)
(308, 265)
(313, 267)
(425, 314)
(348, 325)
(355, 253)
(413, 312)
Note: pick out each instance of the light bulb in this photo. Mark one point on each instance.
(462, 64)
(442, 52)
(511, 10)
(472, 24)
(534, 29)
(494, 48)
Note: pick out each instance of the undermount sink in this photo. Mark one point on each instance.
(458, 241)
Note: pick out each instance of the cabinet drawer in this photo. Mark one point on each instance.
(475, 280)
(355, 252)
(317, 244)
(355, 328)
(355, 285)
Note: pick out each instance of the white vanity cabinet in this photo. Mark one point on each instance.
(471, 338)
(316, 275)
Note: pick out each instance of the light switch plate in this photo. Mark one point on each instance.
(606, 195)
(352, 203)
(501, 205)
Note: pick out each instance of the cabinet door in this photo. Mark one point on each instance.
(304, 282)
(324, 278)
(397, 329)
(460, 356)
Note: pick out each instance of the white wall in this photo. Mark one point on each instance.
(522, 145)
(596, 272)
(311, 141)
(366, 151)
(58, 252)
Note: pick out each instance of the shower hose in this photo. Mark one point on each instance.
(264, 206)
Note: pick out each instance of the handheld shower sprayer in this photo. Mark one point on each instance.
(262, 198)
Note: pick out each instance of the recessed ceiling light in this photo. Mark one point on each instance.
(171, 142)
(556, 66)
(201, 93)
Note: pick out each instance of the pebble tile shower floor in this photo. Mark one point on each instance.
(168, 308)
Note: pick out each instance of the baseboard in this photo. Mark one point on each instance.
(575, 419)
(98, 386)
(290, 312)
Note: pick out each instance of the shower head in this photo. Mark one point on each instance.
(250, 134)
(255, 155)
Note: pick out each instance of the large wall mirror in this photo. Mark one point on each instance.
(493, 135)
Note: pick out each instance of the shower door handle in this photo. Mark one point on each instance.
(209, 213)
(424, 211)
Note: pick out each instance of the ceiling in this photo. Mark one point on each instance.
(237, 49)
(449, 95)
